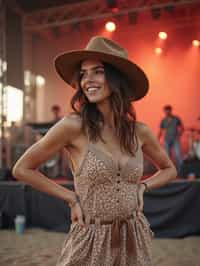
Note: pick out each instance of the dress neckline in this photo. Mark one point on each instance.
(91, 147)
(110, 156)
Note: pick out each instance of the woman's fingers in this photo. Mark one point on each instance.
(80, 220)
(141, 201)
(77, 215)
(141, 206)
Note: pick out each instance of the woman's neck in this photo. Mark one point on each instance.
(105, 108)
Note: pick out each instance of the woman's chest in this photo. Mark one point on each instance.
(100, 167)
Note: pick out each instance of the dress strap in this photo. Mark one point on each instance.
(70, 163)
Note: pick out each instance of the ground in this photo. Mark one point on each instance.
(41, 248)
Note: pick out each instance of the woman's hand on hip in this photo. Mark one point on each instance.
(141, 189)
(77, 214)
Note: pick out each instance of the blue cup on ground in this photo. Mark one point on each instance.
(20, 224)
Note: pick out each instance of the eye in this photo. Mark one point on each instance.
(99, 71)
(81, 75)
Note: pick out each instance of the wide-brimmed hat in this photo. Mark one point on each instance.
(106, 51)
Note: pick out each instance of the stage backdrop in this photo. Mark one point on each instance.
(172, 211)
(174, 76)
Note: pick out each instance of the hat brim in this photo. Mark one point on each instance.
(66, 65)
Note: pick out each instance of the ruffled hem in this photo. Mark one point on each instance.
(91, 246)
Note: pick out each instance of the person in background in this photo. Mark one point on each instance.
(171, 128)
(56, 111)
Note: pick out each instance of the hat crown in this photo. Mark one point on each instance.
(107, 46)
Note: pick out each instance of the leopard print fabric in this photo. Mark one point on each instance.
(108, 193)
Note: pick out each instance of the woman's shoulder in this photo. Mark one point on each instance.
(142, 131)
(141, 126)
(72, 122)
(73, 119)
(69, 128)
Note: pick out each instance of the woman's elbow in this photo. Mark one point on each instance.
(174, 172)
(17, 171)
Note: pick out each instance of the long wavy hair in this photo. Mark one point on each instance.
(123, 111)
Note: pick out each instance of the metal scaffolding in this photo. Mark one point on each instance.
(3, 81)
(95, 10)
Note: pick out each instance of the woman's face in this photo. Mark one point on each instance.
(93, 81)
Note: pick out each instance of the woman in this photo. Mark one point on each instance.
(105, 146)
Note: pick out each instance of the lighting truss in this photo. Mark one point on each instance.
(93, 10)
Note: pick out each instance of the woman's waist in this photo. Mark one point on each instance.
(95, 219)
(110, 210)
(108, 192)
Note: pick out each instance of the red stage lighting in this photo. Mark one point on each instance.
(162, 35)
(110, 26)
(113, 5)
(158, 50)
(196, 43)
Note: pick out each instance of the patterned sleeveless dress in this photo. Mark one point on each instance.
(116, 233)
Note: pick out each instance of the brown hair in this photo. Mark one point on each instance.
(124, 113)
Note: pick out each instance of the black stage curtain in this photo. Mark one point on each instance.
(173, 210)
(46, 211)
(12, 202)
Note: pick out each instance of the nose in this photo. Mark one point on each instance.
(88, 82)
(88, 77)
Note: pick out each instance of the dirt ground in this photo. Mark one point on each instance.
(41, 248)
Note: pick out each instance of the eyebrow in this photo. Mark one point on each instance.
(93, 68)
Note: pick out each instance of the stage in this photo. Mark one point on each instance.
(173, 210)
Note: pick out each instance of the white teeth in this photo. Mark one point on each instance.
(92, 89)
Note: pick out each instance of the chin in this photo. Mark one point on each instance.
(96, 99)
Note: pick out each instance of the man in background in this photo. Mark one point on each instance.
(56, 111)
(171, 127)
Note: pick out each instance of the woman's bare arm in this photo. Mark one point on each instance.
(25, 169)
(151, 147)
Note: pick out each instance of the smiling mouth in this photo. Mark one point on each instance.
(92, 89)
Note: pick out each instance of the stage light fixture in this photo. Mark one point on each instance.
(158, 51)
(196, 43)
(162, 35)
(40, 81)
(110, 26)
(155, 12)
(111, 3)
(169, 9)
